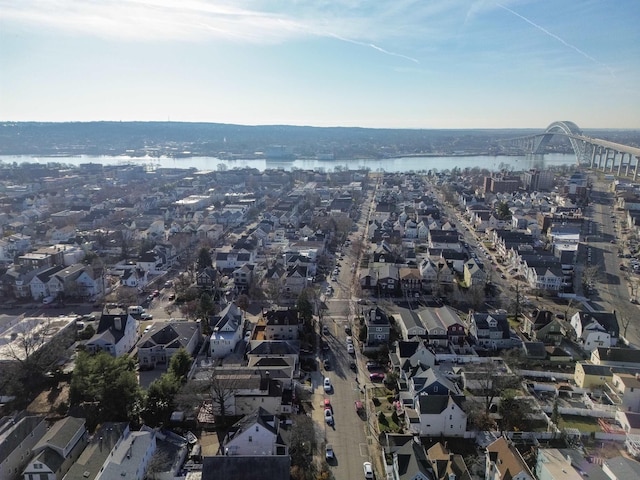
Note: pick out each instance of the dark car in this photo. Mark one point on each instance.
(353, 366)
(326, 364)
(347, 330)
(373, 366)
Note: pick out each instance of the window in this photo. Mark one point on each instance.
(250, 438)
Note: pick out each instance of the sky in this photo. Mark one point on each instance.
(362, 63)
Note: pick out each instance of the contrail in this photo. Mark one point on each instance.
(375, 47)
(553, 35)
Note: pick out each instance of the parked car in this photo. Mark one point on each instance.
(327, 384)
(327, 404)
(326, 364)
(376, 377)
(373, 366)
(328, 417)
(359, 406)
(328, 452)
(146, 316)
(350, 349)
(349, 340)
(368, 470)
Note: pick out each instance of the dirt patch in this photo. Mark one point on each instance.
(51, 402)
(209, 443)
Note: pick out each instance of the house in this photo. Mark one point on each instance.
(256, 434)
(436, 415)
(226, 331)
(131, 456)
(629, 421)
(545, 327)
(587, 375)
(443, 326)
(208, 278)
(410, 354)
(432, 382)
(504, 462)
(57, 450)
(409, 461)
(18, 436)
(596, 329)
(96, 453)
(238, 391)
(280, 324)
(491, 330)
(474, 273)
(378, 327)
(624, 391)
(243, 277)
(269, 467)
(116, 334)
(447, 465)
(296, 280)
(614, 356)
(164, 339)
(565, 464)
(409, 322)
(621, 468)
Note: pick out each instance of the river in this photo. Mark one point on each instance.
(399, 164)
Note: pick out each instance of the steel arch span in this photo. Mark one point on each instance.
(568, 129)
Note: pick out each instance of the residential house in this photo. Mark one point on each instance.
(504, 462)
(244, 391)
(474, 273)
(443, 326)
(96, 453)
(409, 322)
(131, 456)
(431, 382)
(256, 434)
(596, 329)
(410, 281)
(565, 464)
(410, 354)
(545, 327)
(436, 415)
(296, 280)
(208, 279)
(40, 283)
(408, 460)
(270, 467)
(243, 276)
(281, 324)
(621, 468)
(491, 330)
(624, 391)
(116, 334)
(164, 339)
(615, 356)
(19, 433)
(57, 450)
(378, 327)
(447, 465)
(226, 332)
(590, 376)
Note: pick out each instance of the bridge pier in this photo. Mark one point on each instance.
(621, 162)
(635, 172)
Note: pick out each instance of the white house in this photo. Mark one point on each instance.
(624, 391)
(591, 333)
(19, 434)
(116, 334)
(226, 331)
(437, 415)
(255, 434)
(130, 457)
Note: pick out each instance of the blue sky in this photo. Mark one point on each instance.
(367, 63)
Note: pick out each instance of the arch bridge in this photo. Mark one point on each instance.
(595, 152)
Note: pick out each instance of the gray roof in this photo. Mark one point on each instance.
(15, 432)
(269, 467)
(94, 455)
(623, 467)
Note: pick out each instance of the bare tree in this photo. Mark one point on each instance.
(224, 386)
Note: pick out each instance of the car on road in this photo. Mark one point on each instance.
(327, 404)
(376, 377)
(325, 330)
(326, 364)
(353, 366)
(368, 470)
(359, 406)
(347, 330)
(172, 296)
(349, 340)
(373, 366)
(350, 349)
(328, 417)
(327, 384)
(146, 316)
(328, 452)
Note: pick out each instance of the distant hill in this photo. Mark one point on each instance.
(217, 139)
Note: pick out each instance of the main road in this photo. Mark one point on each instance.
(349, 436)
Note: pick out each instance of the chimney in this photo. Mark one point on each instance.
(117, 323)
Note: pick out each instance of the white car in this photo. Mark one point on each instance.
(350, 349)
(327, 384)
(368, 470)
(328, 417)
(328, 453)
(349, 340)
